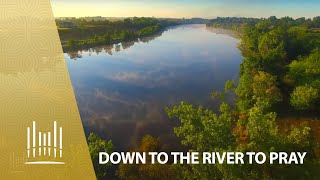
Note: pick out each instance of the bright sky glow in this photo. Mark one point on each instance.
(186, 8)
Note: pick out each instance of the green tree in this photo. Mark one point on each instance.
(272, 50)
(204, 131)
(304, 97)
(265, 87)
(146, 171)
(96, 145)
(299, 41)
(306, 70)
(316, 21)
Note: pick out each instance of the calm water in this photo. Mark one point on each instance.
(122, 90)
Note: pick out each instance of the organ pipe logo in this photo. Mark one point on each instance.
(44, 147)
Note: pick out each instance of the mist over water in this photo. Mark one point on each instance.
(122, 90)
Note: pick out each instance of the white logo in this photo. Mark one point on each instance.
(44, 148)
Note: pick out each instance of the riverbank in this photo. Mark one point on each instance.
(109, 39)
(78, 34)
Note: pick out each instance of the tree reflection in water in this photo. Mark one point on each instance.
(110, 49)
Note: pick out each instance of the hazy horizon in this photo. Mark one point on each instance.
(176, 17)
(186, 8)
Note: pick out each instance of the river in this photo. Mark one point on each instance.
(122, 90)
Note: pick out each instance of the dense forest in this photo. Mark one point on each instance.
(239, 23)
(80, 33)
(287, 51)
(279, 79)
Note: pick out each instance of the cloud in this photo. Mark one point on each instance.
(126, 76)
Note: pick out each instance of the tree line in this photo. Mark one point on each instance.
(238, 23)
(85, 34)
(115, 37)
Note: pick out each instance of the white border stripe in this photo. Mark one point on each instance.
(44, 162)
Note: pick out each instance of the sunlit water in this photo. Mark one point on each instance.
(122, 90)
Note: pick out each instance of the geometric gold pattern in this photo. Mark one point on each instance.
(35, 87)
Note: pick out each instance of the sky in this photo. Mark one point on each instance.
(186, 8)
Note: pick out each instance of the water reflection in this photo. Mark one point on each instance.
(109, 49)
(122, 90)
